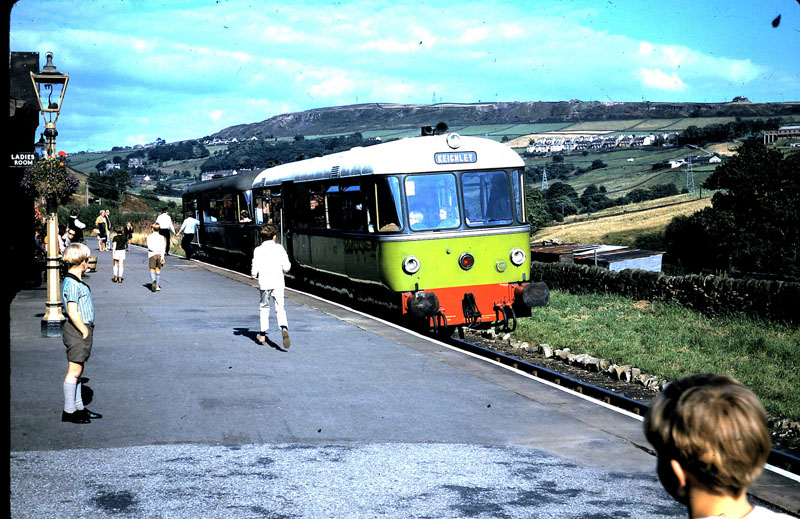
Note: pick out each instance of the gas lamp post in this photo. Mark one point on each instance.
(50, 86)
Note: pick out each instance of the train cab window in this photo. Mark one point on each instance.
(432, 202)
(519, 195)
(487, 200)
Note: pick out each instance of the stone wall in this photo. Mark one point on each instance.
(712, 295)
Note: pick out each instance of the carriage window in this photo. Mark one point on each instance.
(354, 211)
(189, 208)
(432, 202)
(384, 205)
(334, 207)
(486, 198)
(267, 206)
(221, 208)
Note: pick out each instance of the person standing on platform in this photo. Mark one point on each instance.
(118, 247)
(128, 231)
(156, 250)
(270, 263)
(75, 224)
(167, 227)
(78, 332)
(107, 218)
(188, 230)
(100, 225)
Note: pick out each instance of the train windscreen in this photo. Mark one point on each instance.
(432, 202)
(487, 200)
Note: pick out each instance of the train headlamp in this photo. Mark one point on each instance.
(466, 261)
(454, 141)
(410, 265)
(517, 257)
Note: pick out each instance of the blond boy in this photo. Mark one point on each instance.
(78, 332)
(710, 434)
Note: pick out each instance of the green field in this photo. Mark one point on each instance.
(670, 341)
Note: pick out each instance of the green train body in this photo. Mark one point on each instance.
(430, 227)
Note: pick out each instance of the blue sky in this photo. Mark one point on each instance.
(178, 69)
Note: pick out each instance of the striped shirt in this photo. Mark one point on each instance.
(75, 290)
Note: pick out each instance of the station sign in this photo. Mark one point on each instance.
(22, 160)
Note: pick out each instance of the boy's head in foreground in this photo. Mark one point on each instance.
(715, 429)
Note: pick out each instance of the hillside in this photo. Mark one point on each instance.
(621, 225)
(381, 116)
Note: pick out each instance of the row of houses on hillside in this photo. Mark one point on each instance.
(596, 142)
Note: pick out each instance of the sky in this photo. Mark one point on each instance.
(184, 69)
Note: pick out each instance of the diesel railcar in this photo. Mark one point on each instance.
(432, 228)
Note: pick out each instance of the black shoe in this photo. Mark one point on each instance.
(75, 417)
(89, 414)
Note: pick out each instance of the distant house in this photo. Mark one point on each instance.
(676, 163)
(135, 162)
(784, 132)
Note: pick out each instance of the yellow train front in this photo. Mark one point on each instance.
(431, 227)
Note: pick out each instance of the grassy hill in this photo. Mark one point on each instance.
(621, 225)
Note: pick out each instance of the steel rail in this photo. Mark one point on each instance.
(778, 459)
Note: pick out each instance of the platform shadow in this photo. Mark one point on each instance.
(253, 336)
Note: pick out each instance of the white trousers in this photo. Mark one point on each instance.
(272, 297)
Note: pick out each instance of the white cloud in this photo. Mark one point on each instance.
(473, 35)
(332, 86)
(655, 78)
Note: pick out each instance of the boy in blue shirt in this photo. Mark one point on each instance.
(78, 332)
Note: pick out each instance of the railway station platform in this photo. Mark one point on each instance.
(358, 418)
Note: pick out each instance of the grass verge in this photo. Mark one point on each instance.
(670, 341)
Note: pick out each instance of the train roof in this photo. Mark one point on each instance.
(410, 155)
(238, 182)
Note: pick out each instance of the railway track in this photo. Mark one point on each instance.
(778, 459)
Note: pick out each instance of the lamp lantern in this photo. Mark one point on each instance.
(50, 86)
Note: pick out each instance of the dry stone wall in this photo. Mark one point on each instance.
(711, 295)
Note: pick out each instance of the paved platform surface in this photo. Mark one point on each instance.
(357, 419)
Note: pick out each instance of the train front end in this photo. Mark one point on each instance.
(464, 255)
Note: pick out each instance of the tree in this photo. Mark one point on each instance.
(110, 186)
(594, 199)
(562, 200)
(753, 223)
(536, 210)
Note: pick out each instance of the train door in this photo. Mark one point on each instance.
(190, 206)
(268, 209)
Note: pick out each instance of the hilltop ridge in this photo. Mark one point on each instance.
(378, 116)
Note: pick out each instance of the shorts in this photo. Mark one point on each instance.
(118, 255)
(78, 348)
(155, 262)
